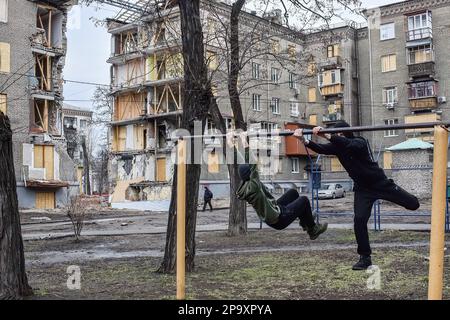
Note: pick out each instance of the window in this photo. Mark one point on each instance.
(312, 69)
(256, 102)
(275, 75)
(5, 57)
(330, 77)
(3, 103)
(313, 119)
(420, 54)
(419, 26)
(333, 51)
(292, 80)
(293, 108)
(392, 132)
(387, 31)
(295, 165)
(213, 162)
(275, 46)
(312, 95)
(70, 122)
(422, 90)
(4, 11)
(275, 105)
(211, 59)
(255, 70)
(389, 63)
(83, 124)
(229, 123)
(292, 52)
(269, 126)
(390, 96)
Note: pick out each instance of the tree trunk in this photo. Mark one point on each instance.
(13, 278)
(195, 108)
(237, 224)
(87, 180)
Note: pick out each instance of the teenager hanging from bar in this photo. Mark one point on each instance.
(370, 182)
(277, 214)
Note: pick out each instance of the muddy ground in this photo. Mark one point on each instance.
(265, 264)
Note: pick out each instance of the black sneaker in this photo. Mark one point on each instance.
(318, 229)
(363, 263)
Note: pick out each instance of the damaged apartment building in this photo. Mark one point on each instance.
(32, 48)
(384, 71)
(147, 75)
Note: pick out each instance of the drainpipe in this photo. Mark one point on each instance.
(371, 77)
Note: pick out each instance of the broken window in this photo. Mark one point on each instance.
(43, 72)
(44, 116)
(49, 23)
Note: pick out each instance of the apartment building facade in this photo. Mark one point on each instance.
(406, 59)
(32, 49)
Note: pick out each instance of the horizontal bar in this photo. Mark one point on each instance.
(287, 133)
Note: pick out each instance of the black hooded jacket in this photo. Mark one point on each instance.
(355, 156)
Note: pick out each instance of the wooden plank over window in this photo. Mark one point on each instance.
(161, 170)
(312, 95)
(389, 63)
(44, 158)
(213, 162)
(5, 57)
(313, 119)
(45, 200)
(3, 103)
(387, 160)
(336, 165)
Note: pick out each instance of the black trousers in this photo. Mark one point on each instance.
(364, 199)
(292, 207)
(207, 202)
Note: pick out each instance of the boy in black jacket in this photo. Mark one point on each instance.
(370, 182)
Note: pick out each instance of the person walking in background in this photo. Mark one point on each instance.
(207, 197)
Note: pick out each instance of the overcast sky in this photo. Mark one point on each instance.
(89, 48)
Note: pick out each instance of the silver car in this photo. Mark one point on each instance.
(331, 191)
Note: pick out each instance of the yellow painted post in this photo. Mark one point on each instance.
(181, 219)
(437, 237)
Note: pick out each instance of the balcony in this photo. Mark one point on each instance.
(332, 117)
(425, 103)
(332, 90)
(422, 69)
(294, 147)
(331, 63)
(419, 34)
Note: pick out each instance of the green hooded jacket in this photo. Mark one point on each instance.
(254, 192)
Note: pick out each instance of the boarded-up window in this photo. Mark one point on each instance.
(3, 103)
(213, 162)
(312, 68)
(44, 158)
(312, 95)
(5, 57)
(129, 106)
(45, 200)
(161, 170)
(3, 10)
(333, 51)
(389, 63)
(292, 51)
(139, 137)
(387, 160)
(275, 46)
(211, 60)
(313, 119)
(336, 165)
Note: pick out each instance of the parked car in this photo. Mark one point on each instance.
(331, 191)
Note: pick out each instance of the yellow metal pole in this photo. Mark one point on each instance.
(437, 238)
(181, 219)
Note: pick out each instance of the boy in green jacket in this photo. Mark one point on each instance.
(277, 214)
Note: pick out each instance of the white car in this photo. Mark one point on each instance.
(331, 191)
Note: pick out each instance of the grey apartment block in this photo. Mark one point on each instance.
(416, 34)
(32, 92)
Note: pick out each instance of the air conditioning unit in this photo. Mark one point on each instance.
(442, 100)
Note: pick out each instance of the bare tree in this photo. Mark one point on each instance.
(13, 277)
(77, 212)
